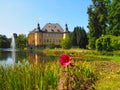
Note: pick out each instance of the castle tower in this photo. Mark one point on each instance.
(38, 26)
(38, 36)
(66, 32)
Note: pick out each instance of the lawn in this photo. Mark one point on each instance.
(106, 65)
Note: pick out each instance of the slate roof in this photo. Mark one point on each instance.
(50, 27)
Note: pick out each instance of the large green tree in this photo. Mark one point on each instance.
(114, 18)
(21, 41)
(4, 42)
(97, 13)
(79, 37)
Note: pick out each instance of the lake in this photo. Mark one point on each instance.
(9, 57)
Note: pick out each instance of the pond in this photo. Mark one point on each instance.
(9, 57)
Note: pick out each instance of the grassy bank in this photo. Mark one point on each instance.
(105, 64)
(29, 77)
(90, 69)
(44, 76)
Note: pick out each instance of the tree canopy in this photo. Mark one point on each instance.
(79, 37)
(114, 18)
(4, 42)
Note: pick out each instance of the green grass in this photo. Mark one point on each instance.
(43, 76)
(89, 65)
(29, 77)
(110, 82)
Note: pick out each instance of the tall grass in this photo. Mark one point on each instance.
(41, 76)
(29, 77)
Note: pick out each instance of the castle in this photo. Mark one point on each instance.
(50, 33)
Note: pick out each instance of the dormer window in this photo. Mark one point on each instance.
(52, 30)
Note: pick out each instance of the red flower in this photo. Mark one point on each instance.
(65, 60)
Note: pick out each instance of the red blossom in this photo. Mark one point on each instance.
(65, 60)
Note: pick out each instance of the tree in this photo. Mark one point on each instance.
(66, 43)
(84, 39)
(97, 13)
(114, 18)
(4, 42)
(21, 41)
(79, 37)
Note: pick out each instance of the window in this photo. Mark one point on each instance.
(56, 35)
(52, 30)
(50, 34)
(58, 30)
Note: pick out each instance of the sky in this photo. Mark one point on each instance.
(22, 16)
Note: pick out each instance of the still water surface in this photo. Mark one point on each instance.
(7, 57)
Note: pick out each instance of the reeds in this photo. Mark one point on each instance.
(29, 77)
(39, 77)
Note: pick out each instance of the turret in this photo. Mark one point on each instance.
(66, 28)
(38, 27)
(66, 31)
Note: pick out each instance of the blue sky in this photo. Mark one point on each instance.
(22, 16)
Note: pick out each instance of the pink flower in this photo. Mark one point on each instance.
(65, 60)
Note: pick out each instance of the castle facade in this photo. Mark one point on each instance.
(50, 33)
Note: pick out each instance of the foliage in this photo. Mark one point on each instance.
(79, 37)
(97, 13)
(75, 76)
(74, 38)
(108, 43)
(4, 42)
(52, 45)
(104, 43)
(91, 44)
(29, 77)
(66, 43)
(21, 41)
(43, 76)
(116, 43)
(114, 18)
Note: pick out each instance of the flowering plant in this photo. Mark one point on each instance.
(65, 75)
(74, 76)
(65, 60)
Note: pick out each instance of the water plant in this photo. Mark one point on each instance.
(47, 76)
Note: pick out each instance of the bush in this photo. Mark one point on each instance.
(66, 43)
(108, 43)
(92, 43)
(52, 45)
(116, 43)
(104, 43)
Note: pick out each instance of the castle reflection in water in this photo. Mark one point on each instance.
(30, 57)
(36, 58)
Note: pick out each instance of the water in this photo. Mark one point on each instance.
(6, 57)
(11, 56)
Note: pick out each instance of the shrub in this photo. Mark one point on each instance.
(66, 43)
(104, 43)
(108, 43)
(116, 43)
(92, 43)
(52, 45)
